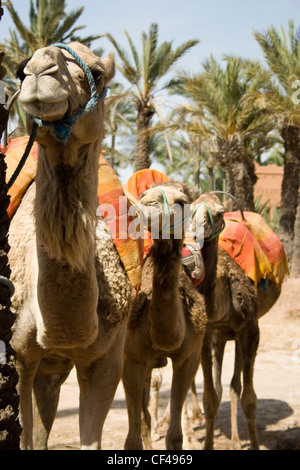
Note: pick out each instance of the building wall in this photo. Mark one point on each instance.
(268, 184)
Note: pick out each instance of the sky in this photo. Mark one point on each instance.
(223, 26)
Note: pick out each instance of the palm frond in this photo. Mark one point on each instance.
(127, 69)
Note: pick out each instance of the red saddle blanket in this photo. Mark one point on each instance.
(254, 246)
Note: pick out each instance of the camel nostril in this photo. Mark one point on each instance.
(34, 69)
(42, 63)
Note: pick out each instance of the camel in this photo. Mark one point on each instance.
(207, 221)
(237, 306)
(73, 296)
(168, 321)
(234, 307)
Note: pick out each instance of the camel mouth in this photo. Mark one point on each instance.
(207, 220)
(164, 223)
(47, 111)
(165, 212)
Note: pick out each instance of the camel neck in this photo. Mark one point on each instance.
(166, 315)
(66, 202)
(210, 259)
(65, 212)
(166, 256)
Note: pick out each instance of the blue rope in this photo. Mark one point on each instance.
(62, 127)
(24, 158)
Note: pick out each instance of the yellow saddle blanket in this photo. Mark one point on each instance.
(254, 247)
(109, 192)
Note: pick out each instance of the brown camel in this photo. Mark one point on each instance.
(235, 306)
(207, 222)
(168, 321)
(72, 296)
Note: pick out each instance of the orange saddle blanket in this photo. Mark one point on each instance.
(254, 247)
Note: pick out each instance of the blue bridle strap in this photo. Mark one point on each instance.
(62, 127)
(214, 233)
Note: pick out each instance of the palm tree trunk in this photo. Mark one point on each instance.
(290, 186)
(296, 248)
(239, 173)
(10, 428)
(197, 165)
(144, 115)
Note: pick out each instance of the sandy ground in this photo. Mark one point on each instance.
(276, 379)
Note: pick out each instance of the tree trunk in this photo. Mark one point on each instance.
(10, 428)
(290, 187)
(295, 272)
(144, 115)
(197, 165)
(239, 173)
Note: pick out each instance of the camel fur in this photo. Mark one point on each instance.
(73, 296)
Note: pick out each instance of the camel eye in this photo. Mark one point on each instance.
(97, 75)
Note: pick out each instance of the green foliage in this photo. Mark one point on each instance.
(282, 53)
(270, 215)
(145, 71)
(119, 122)
(48, 23)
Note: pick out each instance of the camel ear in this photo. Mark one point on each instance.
(195, 192)
(109, 67)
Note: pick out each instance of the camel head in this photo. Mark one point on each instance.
(166, 208)
(54, 87)
(207, 218)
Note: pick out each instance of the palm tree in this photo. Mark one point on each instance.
(295, 271)
(144, 73)
(224, 107)
(282, 53)
(119, 122)
(48, 23)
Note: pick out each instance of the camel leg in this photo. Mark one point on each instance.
(25, 386)
(146, 417)
(235, 393)
(46, 389)
(134, 378)
(156, 381)
(183, 375)
(197, 416)
(249, 345)
(98, 382)
(210, 398)
(218, 347)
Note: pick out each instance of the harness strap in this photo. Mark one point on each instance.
(214, 234)
(24, 157)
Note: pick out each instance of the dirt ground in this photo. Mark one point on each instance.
(276, 380)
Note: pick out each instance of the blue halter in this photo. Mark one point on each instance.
(62, 127)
